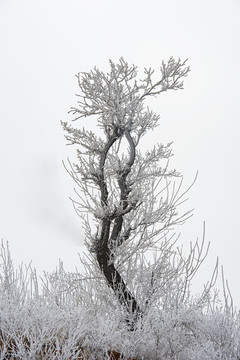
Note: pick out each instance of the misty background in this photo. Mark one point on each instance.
(43, 44)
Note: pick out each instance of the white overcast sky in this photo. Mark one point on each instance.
(45, 43)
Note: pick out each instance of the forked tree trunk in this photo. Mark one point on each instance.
(108, 238)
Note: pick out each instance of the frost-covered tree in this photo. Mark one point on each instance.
(128, 199)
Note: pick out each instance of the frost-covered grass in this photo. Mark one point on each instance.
(65, 316)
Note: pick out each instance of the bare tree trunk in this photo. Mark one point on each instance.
(115, 280)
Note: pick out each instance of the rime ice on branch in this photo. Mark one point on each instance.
(127, 192)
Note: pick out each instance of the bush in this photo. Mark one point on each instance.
(67, 316)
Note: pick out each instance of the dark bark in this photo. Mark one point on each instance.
(110, 239)
(116, 282)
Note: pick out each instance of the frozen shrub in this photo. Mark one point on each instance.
(53, 319)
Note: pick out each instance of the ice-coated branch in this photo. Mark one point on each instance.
(172, 72)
